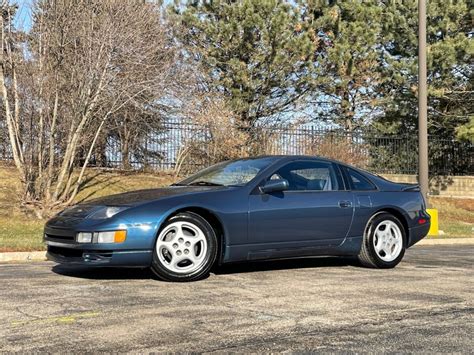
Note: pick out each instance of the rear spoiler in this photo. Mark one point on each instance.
(411, 187)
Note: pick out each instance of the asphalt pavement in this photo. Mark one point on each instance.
(313, 304)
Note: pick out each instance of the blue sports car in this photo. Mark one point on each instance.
(248, 209)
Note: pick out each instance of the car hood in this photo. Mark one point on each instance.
(134, 198)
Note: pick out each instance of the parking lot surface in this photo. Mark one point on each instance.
(318, 304)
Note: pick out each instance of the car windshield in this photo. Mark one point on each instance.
(229, 173)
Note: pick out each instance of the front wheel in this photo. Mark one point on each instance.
(383, 245)
(185, 249)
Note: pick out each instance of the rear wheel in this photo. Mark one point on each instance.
(185, 249)
(383, 245)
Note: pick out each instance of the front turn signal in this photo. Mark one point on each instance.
(120, 236)
(111, 236)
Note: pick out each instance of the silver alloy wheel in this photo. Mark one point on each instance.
(388, 240)
(182, 247)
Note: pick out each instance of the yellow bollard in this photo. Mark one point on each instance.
(434, 228)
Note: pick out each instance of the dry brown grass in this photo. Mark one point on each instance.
(225, 140)
(341, 149)
(22, 231)
(456, 216)
(465, 204)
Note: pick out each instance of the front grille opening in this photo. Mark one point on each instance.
(63, 237)
(66, 252)
(78, 253)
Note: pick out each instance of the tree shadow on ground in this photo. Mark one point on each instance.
(439, 183)
(106, 273)
(95, 183)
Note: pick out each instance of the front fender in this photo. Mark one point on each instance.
(230, 210)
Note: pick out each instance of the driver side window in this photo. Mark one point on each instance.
(309, 176)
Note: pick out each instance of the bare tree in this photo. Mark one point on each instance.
(134, 126)
(215, 135)
(82, 62)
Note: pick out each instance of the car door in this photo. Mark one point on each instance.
(315, 210)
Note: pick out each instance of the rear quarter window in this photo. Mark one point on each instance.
(359, 182)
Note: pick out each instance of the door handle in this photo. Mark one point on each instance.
(345, 204)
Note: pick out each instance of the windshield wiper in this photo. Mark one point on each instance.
(205, 183)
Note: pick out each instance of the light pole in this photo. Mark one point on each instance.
(422, 102)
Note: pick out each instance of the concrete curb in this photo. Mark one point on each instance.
(23, 256)
(41, 255)
(445, 241)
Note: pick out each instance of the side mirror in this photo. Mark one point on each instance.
(274, 186)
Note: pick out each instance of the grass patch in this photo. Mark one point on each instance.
(101, 183)
(456, 216)
(19, 232)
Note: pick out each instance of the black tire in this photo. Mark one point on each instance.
(368, 256)
(164, 273)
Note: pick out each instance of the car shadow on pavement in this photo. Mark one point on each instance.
(103, 273)
(106, 273)
(285, 264)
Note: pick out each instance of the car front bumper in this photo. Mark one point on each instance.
(78, 255)
(135, 251)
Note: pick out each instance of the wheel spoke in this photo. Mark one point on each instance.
(392, 232)
(380, 240)
(177, 259)
(168, 246)
(197, 240)
(198, 257)
(397, 242)
(192, 256)
(170, 234)
(378, 246)
(179, 231)
(380, 235)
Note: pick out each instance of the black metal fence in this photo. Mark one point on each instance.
(381, 153)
